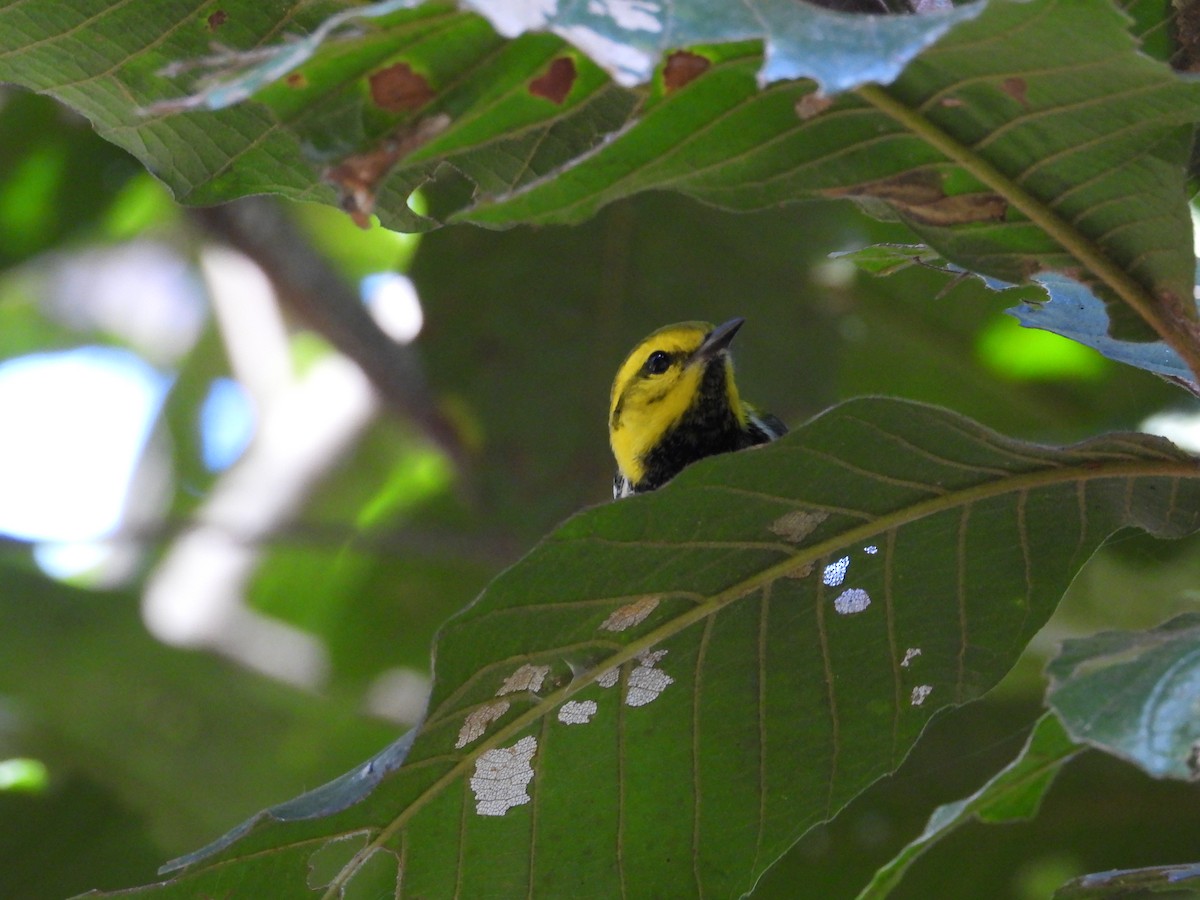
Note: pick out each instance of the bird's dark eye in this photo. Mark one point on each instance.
(657, 362)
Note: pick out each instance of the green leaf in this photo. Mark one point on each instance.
(1133, 694)
(837, 50)
(1014, 793)
(1005, 165)
(1068, 308)
(1173, 880)
(671, 689)
(56, 176)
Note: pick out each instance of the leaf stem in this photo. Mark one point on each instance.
(1172, 319)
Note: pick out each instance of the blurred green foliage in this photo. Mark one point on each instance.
(151, 751)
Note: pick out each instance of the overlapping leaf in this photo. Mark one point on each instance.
(1133, 694)
(1005, 162)
(1013, 793)
(671, 689)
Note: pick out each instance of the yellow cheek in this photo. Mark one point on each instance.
(647, 414)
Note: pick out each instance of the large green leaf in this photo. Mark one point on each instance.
(1007, 165)
(671, 689)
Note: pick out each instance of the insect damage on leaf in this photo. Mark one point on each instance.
(798, 524)
(683, 67)
(631, 613)
(646, 682)
(399, 89)
(577, 712)
(358, 175)
(557, 81)
(851, 601)
(477, 721)
(920, 196)
(1015, 88)
(526, 678)
(812, 105)
(502, 776)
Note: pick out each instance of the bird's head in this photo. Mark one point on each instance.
(659, 382)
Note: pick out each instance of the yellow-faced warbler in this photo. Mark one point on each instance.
(674, 401)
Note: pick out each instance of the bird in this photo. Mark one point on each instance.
(675, 401)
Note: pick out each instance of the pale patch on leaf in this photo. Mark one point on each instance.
(851, 601)
(802, 571)
(646, 682)
(477, 722)
(502, 776)
(798, 524)
(526, 678)
(631, 613)
(909, 655)
(835, 572)
(920, 692)
(577, 712)
(812, 104)
(609, 678)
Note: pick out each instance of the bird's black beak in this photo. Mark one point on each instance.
(717, 340)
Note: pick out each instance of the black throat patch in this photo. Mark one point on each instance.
(707, 428)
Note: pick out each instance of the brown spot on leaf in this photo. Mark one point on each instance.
(1015, 88)
(919, 196)
(359, 175)
(683, 67)
(811, 105)
(1186, 57)
(797, 524)
(296, 80)
(217, 19)
(557, 81)
(399, 89)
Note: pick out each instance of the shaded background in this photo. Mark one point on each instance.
(226, 550)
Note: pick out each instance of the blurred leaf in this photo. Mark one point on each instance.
(919, 334)
(888, 259)
(1174, 880)
(79, 835)
(1074, 312)
(1013, 793)
(1133, 694)
(56, 176)
(1068, 308)
(157, 726)
(727, 637)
